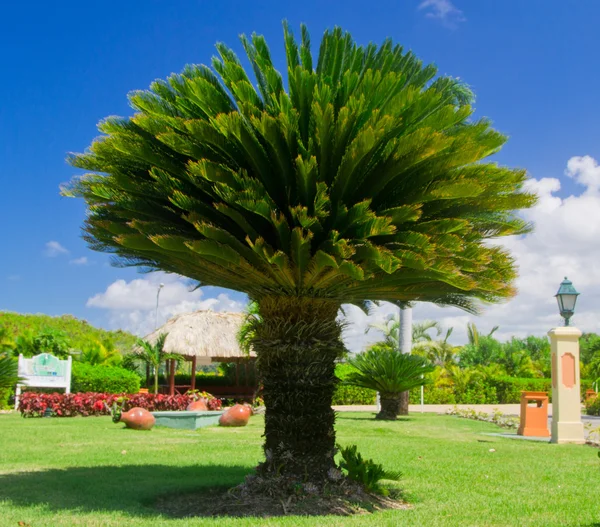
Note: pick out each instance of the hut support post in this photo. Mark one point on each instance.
(172, 378)
(193, 378)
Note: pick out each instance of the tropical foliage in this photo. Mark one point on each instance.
(361, 177)
(390, 373)
(23, 330)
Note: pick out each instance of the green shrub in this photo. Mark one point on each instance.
(433, 395)
(103, 379)
(353, 395)
(365, 471)
(5, 395)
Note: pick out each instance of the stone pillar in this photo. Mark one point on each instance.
(566, 396)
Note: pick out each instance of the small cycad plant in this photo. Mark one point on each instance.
(365, 471)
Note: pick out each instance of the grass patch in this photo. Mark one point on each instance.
(91, 472)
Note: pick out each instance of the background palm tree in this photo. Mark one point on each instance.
(359, 178)
(421, 331)
(473, 333)
(154, 355)
(438, 352)
(390, 373)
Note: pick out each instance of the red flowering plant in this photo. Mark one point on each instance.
(34, 404)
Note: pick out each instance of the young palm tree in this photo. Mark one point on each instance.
(389, 372)
(361, 177)
(8, 371)
(438, 352)
(154, 355)
(420, 331)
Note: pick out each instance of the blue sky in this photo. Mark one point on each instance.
(533, 66)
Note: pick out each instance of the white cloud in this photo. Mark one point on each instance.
(442, 10)
(132, 305)
(54, 249)
(79, 261)
(565, 241)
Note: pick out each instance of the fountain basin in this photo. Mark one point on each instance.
(185, 420)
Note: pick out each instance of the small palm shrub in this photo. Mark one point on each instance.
(365, 471)
(390, 373)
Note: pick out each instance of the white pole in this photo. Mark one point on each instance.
(68, 374)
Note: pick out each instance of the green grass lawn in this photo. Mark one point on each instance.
(91, 472)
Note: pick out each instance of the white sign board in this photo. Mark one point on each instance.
(44, 371)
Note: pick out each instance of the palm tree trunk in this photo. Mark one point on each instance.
(390, 407)
(405, 345)
(156, 379)
(297, 341)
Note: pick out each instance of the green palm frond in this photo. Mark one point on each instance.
(362, 176)
(388, 371)
(9, 376)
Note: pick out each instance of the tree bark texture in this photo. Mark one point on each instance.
(297, 341)
(390, 407)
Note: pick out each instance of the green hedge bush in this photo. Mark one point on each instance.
(498, 390)
(103, 379)
(344, 395)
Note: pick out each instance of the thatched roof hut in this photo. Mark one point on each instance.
(202, 337)
(203, 334)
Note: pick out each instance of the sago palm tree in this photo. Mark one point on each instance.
(389, 372)
(361, 177)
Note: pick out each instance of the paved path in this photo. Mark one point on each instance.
(509, 409)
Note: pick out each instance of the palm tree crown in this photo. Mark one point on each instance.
(361, 181)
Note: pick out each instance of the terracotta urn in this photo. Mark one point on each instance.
(138, 419)
(237, 415)
(197, 406)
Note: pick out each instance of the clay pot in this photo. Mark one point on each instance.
(237, 415)
(197, 406)
(138, 419)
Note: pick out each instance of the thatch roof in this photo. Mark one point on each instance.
(206, 334)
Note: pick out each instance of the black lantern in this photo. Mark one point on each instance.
(566, 297)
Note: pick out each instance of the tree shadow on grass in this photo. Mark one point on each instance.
(131, 489)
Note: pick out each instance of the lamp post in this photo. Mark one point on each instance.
(566, 298)
(157, 297)
(566, 398)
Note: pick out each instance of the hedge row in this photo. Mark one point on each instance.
(499, 390)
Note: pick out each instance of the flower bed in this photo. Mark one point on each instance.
(34, 404)
(496, 417)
